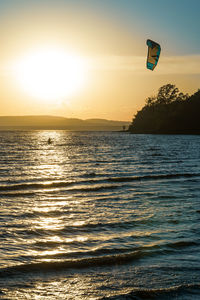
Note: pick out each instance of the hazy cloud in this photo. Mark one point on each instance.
(167, 65)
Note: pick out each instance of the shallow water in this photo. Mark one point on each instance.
(99, 215)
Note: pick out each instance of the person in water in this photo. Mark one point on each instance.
(49, 141)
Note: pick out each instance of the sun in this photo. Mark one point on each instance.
(50, 73)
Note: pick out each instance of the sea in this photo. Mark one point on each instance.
(99, 215)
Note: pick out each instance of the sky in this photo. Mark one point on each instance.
(87, 59)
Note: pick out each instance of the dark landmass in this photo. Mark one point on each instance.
(53, 122)
(169, 112)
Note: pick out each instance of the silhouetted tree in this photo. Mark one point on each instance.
(166, 94)
(170, 111)
(150, 101)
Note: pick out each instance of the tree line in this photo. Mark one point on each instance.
(169, 112)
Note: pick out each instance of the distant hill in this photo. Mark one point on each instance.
(53, 122)
(170, 112)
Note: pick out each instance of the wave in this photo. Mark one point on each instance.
(102, 257)
(63, 184)
(182, 244)
(24, 186)
(87, 227)
(100, 252)
(15, 195)
(154, 177)
(94, 188)
(88, 262)
(182, 292)
(34, 214)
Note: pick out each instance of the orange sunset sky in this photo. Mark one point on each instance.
(87, 59)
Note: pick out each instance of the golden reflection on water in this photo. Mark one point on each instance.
(47, 253)
(50, 157)
(44, 135)
(63, 243)
(54, 203)
(48, 223)
(71, 286)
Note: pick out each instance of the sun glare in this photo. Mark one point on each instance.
(50, 73)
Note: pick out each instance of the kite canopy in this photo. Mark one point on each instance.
(153, 54)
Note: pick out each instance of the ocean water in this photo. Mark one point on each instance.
(99, 215)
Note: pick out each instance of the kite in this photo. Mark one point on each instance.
(153, 54)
